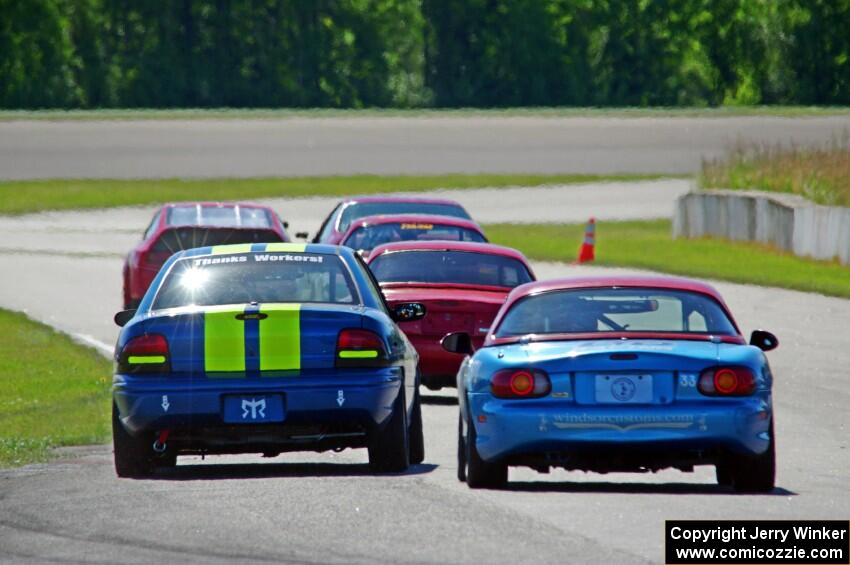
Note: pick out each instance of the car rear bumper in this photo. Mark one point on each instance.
(355, 399)
(528, 427)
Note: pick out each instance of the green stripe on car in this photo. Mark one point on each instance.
(234, 248)
(224, 341)
(286, 247)
(280, 336)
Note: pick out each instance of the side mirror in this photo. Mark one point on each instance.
(124, 316)
(285, 225)
(408, 312)
(765, 341)
(302, 235)
(458, 342)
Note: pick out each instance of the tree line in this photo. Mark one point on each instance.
(422, 53)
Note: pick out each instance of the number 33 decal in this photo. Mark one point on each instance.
(688, 380)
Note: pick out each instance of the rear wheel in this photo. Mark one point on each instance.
(723, 472)
(461, 450)
(388, 447)
(755, 474)
(133, 455)
(480, 473)
(416, 434)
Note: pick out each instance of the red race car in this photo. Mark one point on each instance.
(195, 224)
(347, 211)
(368, 233)
(461, 285)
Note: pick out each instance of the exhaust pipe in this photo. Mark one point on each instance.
(160, 445)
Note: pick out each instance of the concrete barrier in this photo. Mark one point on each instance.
(786, 221)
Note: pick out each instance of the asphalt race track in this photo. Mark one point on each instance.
(86, 250)
(317, 508)
(430, 145)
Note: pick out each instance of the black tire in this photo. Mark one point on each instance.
(480, 473)
(416, 435)
(133, 455)
(432, 384)
(461, 450)
(389, 449)
(755, 474)
(723, 473)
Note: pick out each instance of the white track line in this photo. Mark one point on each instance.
(102, 347)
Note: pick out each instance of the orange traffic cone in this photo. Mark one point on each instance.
(585, 252)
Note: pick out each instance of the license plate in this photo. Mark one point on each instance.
(253, 408)
(624, 389)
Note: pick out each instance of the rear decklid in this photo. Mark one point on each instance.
(615, 353)
(238, 340)
(449, 308)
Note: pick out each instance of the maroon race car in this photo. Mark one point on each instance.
(347, 211)
(461, 286)
(368, 233)
(195, 224)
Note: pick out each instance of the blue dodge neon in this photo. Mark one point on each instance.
(264, 348)
(616, 374)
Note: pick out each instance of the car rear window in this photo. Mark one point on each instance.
(256, 277)
(455, 267)
(362, 209)
(369, 237)
(178, 239)
(219, 216)
(615, 310)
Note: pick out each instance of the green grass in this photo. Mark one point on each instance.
(18, 197)
(819, 173)
(284, 113)
(53, 392)
(648, 245)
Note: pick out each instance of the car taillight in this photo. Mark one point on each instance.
(520, 383)
(360, 348)
(145, 353)
(727, 381)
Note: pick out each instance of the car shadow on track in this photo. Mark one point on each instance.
(192, 472)
(438, 400)
(635, 488)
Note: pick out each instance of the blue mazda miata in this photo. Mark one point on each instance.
(616, 374)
